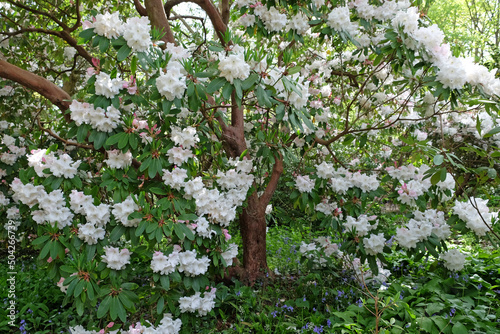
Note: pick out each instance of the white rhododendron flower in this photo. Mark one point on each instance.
(234, 67)
(304, 184)
(115, 258)
(108, 25)
(172, 84)
(136, 33)
(453, 259)
(361, 225)
(122, 210)
(474, 217)
(230, 253)
(374, 244)
(119, 160)
(196, 303)
(106, 86)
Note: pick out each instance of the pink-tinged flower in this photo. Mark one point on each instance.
(111, 324)
(90, 71)
(86, 25)
(337, 100)
(49, 260)
(96, 62)
(226, 234)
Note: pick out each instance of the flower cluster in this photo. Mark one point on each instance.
(115, 258)
(182, 261)
(107, 86)
(230, 253)
(51, 206)
(196, 303)
(123, 210)
(421, 227)
(233, 67)
(361, 225)
(473, 212)
(118, 159)
(453, 260)
(98, 118)
(172, 83)
(62, 166)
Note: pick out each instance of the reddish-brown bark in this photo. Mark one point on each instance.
(44, 87)
(253, 235)
(159, 20)
(209, 8)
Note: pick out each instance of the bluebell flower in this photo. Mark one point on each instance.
(318, 329)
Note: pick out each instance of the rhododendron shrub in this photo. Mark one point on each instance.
(168, 144)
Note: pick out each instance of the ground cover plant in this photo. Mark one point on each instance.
(264, 167)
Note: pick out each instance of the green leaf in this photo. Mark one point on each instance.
(79, 288)
(262, 97)
(122, 143)
(99, 139)
(215, 85)
(87, 34)
(372, 262)
(237, 86)
(82, 133)
(165, 282)
(294, 70)
(438, 159)
(125, 301)
(250, 81)
(492, 132)
(227, 90)
(40, 240)
(117, 233)
(103, 45)
(123, 52)
(459, 328)
(160, 305)
(436, 178)
(77, 181)
(179, 231)
(426, 323)
(115, 138)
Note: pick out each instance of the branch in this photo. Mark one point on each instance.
(39, 12)
(44, 87)
(140, 8)
(225, 11)
(237, 115)
(64, 35)
(181, 18)
(159, 20)
(67, 142)
(265, 198)
(209, 8)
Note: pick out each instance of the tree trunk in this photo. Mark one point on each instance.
(253, 233)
